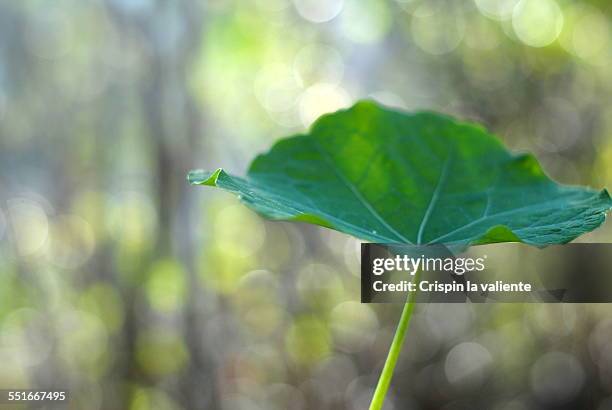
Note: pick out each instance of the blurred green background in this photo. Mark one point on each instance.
(133, 290)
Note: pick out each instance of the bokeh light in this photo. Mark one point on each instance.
(497, 9)
(537, 23)
(29, 225)
(586, 32)
(467, 365)
(556, 378)
(318, 11)
(366, 21)
(318, 63)
(321, 98)
(433, 41)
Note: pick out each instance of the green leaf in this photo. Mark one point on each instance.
(388, 176)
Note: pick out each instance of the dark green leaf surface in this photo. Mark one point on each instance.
(387, 176)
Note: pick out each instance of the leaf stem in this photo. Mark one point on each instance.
(384, 381)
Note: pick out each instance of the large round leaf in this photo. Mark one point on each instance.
(388, 176)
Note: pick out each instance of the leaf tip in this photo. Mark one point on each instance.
(605, 195)
(201, 177)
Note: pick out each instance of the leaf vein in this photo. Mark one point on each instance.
(434, 199)
(357, 193)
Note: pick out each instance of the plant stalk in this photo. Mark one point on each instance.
(384, 381)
